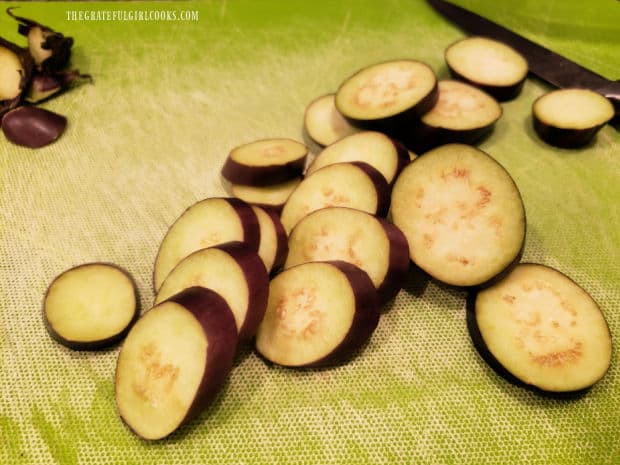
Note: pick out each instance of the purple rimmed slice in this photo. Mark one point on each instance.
(374, 148)
(273, 247)
(488, 64)
(539, 329)
(462, 215)
(209, 222)
(389, 96)
(174, 361)
(355, 185)
(570, 118)
(368, 242)
(233, 270)
(319, 314)
(463, 114)
(91, 306)
(272, 196)
(264, 162)
(323, 122)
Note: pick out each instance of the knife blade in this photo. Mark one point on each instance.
(544, 63)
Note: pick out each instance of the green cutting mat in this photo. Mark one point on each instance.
(148, 139)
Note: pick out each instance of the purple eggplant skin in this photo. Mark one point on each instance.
(398, 268)
(496, 366)
(258, 285)
(56, 43)
(102, 343)
(365, 320)
(33, 127)
(563, 137)
(45, 85)
(238, 173)
(381, 186)
(28, 66)
(282, 238)
(500, 93)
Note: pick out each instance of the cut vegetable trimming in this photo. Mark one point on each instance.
(174, 361)
(318, 314)
(537, 327)
(91, 306)
(462, 215)
(233, 270)
(370, 243)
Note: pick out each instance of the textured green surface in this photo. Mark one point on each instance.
(148, 139)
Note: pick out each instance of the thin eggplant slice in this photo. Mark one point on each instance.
(318, 314)
(91, 306)
(33, 127)
(355, 185)
(570, 118)
(209, 222)
(389, 96)
(538, 328)
(372, 147)
(49, 49)
(174, 361)
(265, 162)
(462, 215)
(273, 247)
(463, 114)
(323, 122)
(368, 242)
(488, 64)
(272, 196)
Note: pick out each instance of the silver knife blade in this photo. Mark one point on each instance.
(544, 63)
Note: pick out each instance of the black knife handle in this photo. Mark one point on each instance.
(612, 92)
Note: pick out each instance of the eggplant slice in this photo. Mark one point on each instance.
(16, 67)
(538, 328)
(323, 122)
(272, 196)
(488, 64)
(389, 96)
(570, 118)
(462, 215)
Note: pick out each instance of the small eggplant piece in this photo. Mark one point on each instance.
(174, 362)
(319, 314)
(570, 118)
(49, 83)
(388, 97)
(16, 67)
(33, 127)
(463, 114)
(272, 197)
(273, 247)
(323, 123)
(49, 49)
(371, 243)
(488, 64)
(353, 184)
(539, 329)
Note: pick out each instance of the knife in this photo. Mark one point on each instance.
(544, 63)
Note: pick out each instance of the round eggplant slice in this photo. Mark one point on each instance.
(273, 196)
(273, 246)
(374, 148)
(318, 314)
(33, 127)
(370, 243)
(463, 114)
(234, 271)
(174, 361)
(488, 64)
(323, 122)
(462, 215)
(388, 96)
(538, 328)
(265, 162)
(355, 185)
(207, 223)
(91, 306)
(570, 118)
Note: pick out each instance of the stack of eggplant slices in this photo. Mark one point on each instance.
(303, 256)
